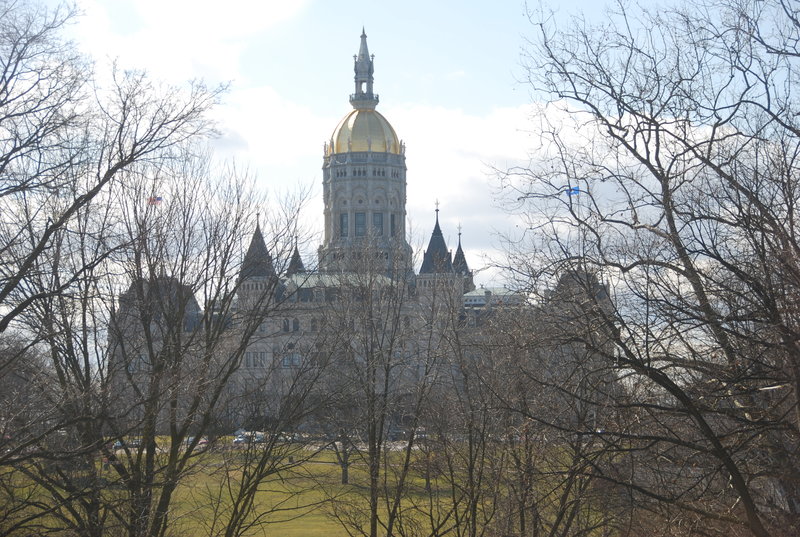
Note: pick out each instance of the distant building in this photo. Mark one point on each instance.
(493, 296)
(364, 213)
(364, 283)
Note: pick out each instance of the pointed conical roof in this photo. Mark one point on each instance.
(459, 261)
(257, 262)
(437, 258)
(295, 263)
(363, 50)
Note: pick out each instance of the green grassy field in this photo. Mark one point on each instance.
(306, 498)
(298, 503)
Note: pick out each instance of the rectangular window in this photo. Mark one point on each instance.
(291, 360)
(377, 224)
(262, 359)
(391, 225)
(361, 224)
(247, 360)
(343, 225)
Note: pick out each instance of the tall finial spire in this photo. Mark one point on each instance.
(460, 264)
(364, 98)
(296, 262)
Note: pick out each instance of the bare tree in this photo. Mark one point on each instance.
(64, 139)
(72, 154)
(681, 192)
(545, 365)
(384, 362)
(459, 455)
(121, 271)
(145, 353)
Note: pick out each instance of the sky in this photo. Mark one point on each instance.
(449, 75)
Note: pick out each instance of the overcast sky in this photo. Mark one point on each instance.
(448, 74)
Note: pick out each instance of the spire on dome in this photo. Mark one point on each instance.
(364, 68)
(295, 263)
(363, 50)
(257, 261)
(437, 258)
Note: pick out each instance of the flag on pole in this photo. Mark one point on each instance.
(154, 200)
(573, 191)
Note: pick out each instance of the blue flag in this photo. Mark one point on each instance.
(573, 191)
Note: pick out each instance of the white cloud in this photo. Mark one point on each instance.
(451, 156)
(177, 40)
(277, 131)
(450, 152)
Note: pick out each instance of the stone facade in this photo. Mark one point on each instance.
(364, 302)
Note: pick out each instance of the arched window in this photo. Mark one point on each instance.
(286, 325)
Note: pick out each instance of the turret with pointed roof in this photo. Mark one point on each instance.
(257, 261)
(459, 261)
(460, 265)
(295, 263)
(437, 258)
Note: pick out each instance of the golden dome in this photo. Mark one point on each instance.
(364, 130)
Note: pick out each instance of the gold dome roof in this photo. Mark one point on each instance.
(364, 130)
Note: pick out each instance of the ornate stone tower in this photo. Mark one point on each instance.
(440, 268)
(257, 278)
(364, 184)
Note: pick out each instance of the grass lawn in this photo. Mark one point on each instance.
(295, 505)
(301, 499)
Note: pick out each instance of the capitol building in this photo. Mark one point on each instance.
(364, 302)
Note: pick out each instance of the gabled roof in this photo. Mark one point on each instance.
(437, 258)
(257, 262)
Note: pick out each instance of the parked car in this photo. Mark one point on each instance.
(248, 437)
(133, 443)
(202, 442)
